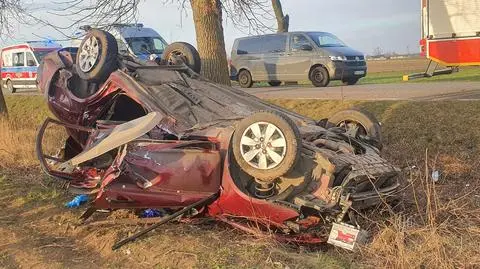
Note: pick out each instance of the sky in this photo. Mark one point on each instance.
(393, 25)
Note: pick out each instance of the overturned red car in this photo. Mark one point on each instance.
(156, 134)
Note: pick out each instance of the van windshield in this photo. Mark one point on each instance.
(146, 45)
(326, 40)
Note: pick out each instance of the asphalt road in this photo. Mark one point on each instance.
(429, 91)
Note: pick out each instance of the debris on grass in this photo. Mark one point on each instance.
(440, 230)
(77, 201)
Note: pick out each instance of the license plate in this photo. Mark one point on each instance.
(361, 72)
(346, 236)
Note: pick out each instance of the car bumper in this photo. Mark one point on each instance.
(344, 70)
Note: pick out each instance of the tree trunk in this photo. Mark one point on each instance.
(3, 105)
(207, 16)
(282, 21)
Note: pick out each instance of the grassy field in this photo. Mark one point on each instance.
(392, 71)
(467, 74)
(398, 65)
(438, 226)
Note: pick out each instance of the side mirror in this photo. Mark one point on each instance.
(31, 63)
(306, 47)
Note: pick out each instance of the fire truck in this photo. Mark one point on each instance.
(19, 63)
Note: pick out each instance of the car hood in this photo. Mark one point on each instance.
(342, 51)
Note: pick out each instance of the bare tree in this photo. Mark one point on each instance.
(10, 11)
(208, 19)
(207, 16)
(283, 22)
(378, 51)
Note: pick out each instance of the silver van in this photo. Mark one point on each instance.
(295, 56)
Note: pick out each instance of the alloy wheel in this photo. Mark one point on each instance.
(263, 145)
(89, 54)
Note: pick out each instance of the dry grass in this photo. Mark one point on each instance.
(433, 232)
(438, 227)
(19, 131)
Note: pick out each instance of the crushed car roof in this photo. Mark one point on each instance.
(194, 102)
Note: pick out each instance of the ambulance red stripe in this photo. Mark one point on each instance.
(14, 75)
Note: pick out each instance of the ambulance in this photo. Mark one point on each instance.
(19, 63)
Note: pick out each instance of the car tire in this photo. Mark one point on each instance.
(245, 79)
(274, 83)
(350, 81)
(266, 158)
(104, 58)
(369, 125)
(319, 76)
(186, 52)
(10, 87)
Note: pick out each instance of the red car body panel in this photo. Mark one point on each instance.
(157, 172)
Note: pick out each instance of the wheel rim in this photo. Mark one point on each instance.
(174, 55)
(318, 76)
(89, 54)
(263, 145)
(243, 79)
(353, 128)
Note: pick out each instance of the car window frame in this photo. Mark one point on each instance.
(13, 59)
(290, 42)
(285, 37)
(260, 48)
(246, 41)
(32, 58)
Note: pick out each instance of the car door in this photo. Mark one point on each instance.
(274, 48)
(19, 76)
(31, 67)
(301, 50)
(249, 56)
(165, 174)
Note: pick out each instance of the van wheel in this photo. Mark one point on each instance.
(10, 87)
(350, 81)
(245, 79)
(97, 55)
(319, 76)
(266, 145)
(274, 83)
(359, 124)
(185, 52)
